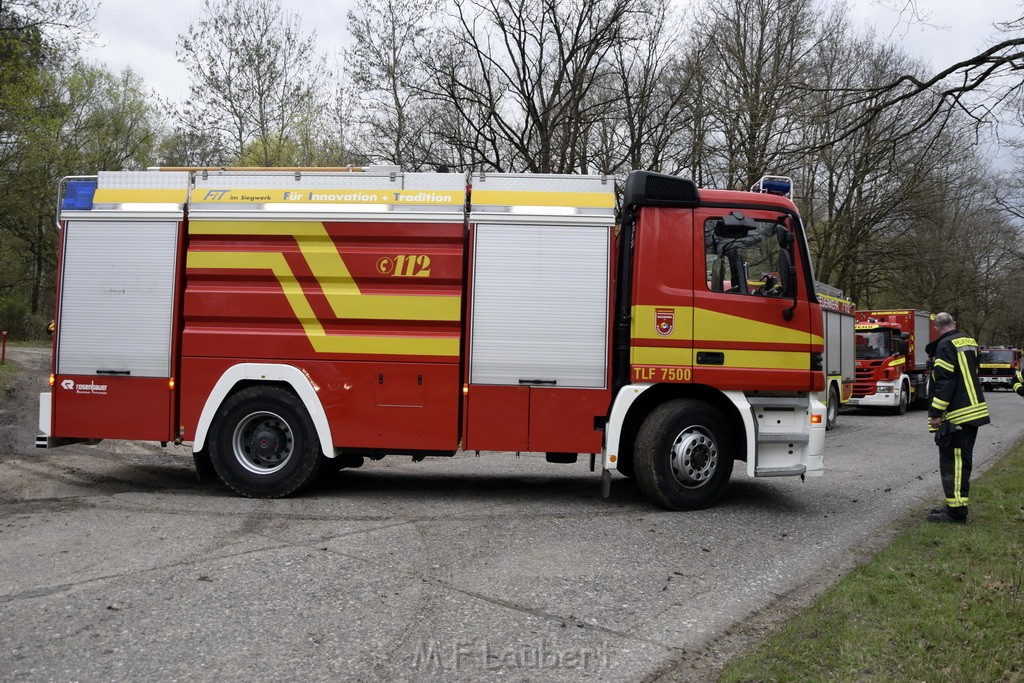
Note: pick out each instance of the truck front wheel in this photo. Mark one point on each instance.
(684, 455)
(901, 408)
(263, 443)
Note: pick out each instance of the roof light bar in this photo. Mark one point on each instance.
(78, 195)
(774, 184)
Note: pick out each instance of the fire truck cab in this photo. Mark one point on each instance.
(997, 366)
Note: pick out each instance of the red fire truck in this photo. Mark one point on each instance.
(286, 321)
(892, 363)
(997, 365)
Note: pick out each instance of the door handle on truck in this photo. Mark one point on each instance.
(710, 358)
(113, 372)
(548, 382)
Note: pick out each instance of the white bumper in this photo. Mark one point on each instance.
(880, 399)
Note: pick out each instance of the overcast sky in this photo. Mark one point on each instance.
(142, 34)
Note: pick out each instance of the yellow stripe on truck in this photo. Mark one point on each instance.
(321, 341)
(715, 326)
(330, 271)
(733, 358)
(583, 200)
(118, 196)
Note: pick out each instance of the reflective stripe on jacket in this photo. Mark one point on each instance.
(956, 390)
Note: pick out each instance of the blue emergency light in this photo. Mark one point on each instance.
(774, 184)
(78, 195)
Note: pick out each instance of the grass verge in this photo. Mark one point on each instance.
(942, 602)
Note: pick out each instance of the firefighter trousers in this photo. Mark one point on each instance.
(955, 463)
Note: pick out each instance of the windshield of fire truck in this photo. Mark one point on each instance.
(1004, 356)
(873, 345)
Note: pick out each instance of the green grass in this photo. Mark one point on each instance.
(944, 602)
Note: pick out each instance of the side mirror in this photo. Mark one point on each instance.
(787, 273)
(785, 237)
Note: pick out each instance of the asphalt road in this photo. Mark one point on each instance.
(115, 564)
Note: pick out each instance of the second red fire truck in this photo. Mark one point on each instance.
(289, 321)
(892, 363)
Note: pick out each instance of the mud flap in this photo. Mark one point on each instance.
(204, 468)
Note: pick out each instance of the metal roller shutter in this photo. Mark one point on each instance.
(540, 305)
(117, 295)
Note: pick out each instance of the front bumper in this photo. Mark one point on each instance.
(879, 399)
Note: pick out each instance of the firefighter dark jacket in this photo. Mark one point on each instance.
(956, 390)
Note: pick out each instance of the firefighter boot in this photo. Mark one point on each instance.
(944, 515)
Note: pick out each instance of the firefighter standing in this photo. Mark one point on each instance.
(957, 409)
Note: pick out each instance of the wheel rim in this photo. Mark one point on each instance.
(833, 407)
(694, 457)
(263, 442)
(904, 396)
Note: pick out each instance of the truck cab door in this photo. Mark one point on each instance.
(751, 320)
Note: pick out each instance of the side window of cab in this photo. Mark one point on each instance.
(742, 254)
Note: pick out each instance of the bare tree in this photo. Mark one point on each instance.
(855, 193)
(255, 74)
(61, 24)
(385, 67)
(647, 99)
(977, 87)
(529, 72)
(761, 48)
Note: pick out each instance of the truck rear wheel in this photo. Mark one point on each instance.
(832, 409)
(684, 455)
(263, 443)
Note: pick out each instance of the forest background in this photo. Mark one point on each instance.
(895, 168)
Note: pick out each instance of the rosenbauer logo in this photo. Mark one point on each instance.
(85, 388)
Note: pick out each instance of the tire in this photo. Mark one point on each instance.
(263, 443)
(832, 409)
(901, 409)
(684, 455)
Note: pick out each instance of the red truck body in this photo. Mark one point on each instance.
(285, 321)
